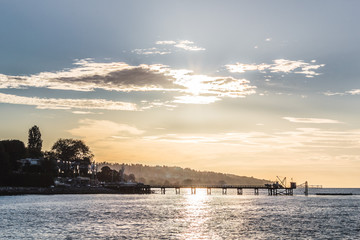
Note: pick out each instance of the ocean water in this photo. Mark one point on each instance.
(183, 216)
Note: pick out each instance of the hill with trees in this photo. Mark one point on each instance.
(165, 175)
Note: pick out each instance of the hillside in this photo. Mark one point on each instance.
(176, 175)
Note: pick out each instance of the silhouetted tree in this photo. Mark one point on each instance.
(4, 161)
(34, 142)
(108, 175)
(49, 163)
(13, 150)
(131, 177)
(74, 155)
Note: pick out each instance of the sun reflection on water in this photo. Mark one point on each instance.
(197, 214)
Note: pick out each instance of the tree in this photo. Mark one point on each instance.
(49, 163)
(108, 175)
(13, 150)
(34, 142)
(74, 155)
(4, 161)
(131, 177)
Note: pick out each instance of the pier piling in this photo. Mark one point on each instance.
(306, 189)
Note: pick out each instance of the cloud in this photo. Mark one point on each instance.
(310, 120)
(309, 145)
(61, 103)
(298, 140)
(88, 75)
(189, 99)
(350, 92)
(171, 46)
(208, 87)
(95, 130)
(278, 66)
(188, 45)
(183, 44)
(151, 51)
(82, 112)
(165, 43)
(354, 92)
(118, 76)
(169, 105)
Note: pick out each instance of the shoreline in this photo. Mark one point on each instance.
(13, 191)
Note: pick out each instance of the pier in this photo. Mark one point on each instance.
(274, 189)
(126, 188)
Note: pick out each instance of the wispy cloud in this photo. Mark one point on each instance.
(190, 99)
(350, 92)
(151, 51)
(165, 43)
(309, 145)
(82, 112)
(188, 45)
(311, 120)
(279, 66)
(168, 46)
(61, 103)
(300, 139)
(95, 130)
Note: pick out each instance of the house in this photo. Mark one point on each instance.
(29, 162)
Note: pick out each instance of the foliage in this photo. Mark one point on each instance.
(4, 161)
(34, 142)
(74, 156)
(131, 177)
(110, 175)
(49, 163)
(10, 152)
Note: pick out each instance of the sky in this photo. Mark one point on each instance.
(253, 88)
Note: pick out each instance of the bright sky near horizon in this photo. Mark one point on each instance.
(254, 88)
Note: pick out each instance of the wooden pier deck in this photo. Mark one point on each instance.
(272, 189)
